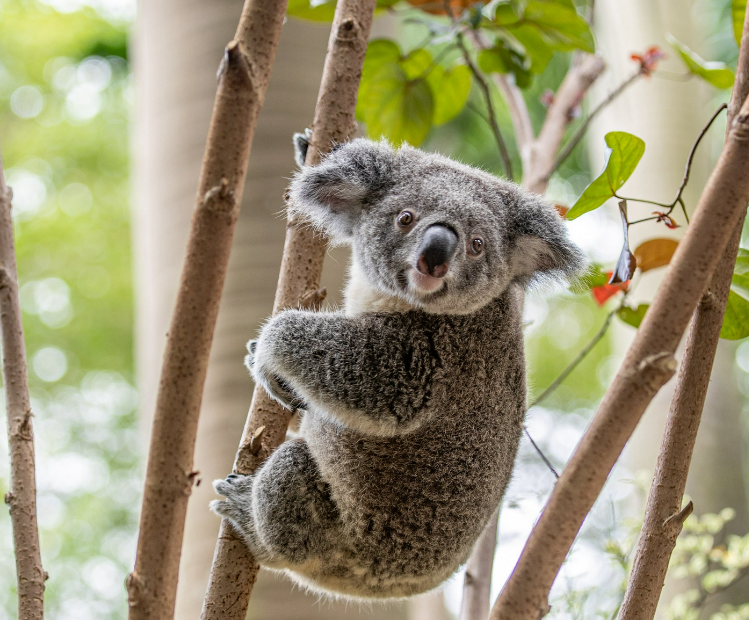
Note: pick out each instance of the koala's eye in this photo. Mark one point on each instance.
(405, 218)
(477, 246)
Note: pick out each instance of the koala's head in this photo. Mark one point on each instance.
(443, 236)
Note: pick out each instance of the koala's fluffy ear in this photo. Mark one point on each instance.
(539, 240)
(333, 194)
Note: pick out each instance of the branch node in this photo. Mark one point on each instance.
(192, 478)
(656, 369)
(675, 522)
(9, 497)
(220, 198)
(348, 30)
(312, 300)
(256, 441)
(46, 576)
(135, 588)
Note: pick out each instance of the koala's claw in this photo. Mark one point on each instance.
(249, 359)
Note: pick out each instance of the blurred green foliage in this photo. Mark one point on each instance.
(64, 120)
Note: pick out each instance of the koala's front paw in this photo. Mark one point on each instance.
(263, 367)
(238, 503)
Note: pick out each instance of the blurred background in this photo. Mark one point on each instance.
(104, 111)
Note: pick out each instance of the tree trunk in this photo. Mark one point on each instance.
(175, 97)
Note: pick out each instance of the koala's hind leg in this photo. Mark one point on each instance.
(284, 512)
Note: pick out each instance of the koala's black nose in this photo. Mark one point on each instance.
(436, 251)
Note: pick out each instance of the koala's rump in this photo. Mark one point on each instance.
(413, 505)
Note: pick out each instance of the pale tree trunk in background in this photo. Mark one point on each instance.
(177, 49)
(668, 115)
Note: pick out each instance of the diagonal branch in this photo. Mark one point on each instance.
(243, 79)
(234, 570)
(657, 541)
(21, 497)
(568, 96)
(648, 365)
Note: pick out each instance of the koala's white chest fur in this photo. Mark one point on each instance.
(360, 297)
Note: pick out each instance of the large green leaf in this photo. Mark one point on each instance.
(716, 73)
(450, 90)
(561, 23)
(623, 154)
(738, 9)
(379, 53)
(398, 108)
(736, 320)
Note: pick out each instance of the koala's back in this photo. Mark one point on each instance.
(412, 505)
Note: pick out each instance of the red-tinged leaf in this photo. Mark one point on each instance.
(655, 253)
(649, 60)
(561, 209)
(604, 292)
(547, 98)
(666, 219)
(627, 262)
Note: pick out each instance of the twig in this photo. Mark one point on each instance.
(685, 179)
(669, 481)
(578, 358)
(234, 570)
(648, 365)
(21, 497)
(485, 90)
(243, 78)
(580, 131)
(546, 461)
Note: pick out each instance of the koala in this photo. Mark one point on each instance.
(413, 393)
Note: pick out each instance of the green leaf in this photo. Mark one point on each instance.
(313, 11)
(416, 63)
(742, 262)
(623, 154)
(561, 23)
(398, 108)
(716, 73)
(738, 9)
(379, 53)
(633, 316)
(450, 90)
(503, 59)
(537, 50)
(736, 320)
(506, 13)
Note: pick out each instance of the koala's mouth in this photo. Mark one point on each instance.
(424, 283)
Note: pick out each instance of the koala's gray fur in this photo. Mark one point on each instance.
(414, 400)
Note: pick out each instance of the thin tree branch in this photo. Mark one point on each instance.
(657, 540)
(243, 78)
(648, 365)
(234, 569)
(580, 131)
(486, 92)
(21, 497)
(477, 583)
(578, 358)
(519, 114)
(568, 96)
(546, 461)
